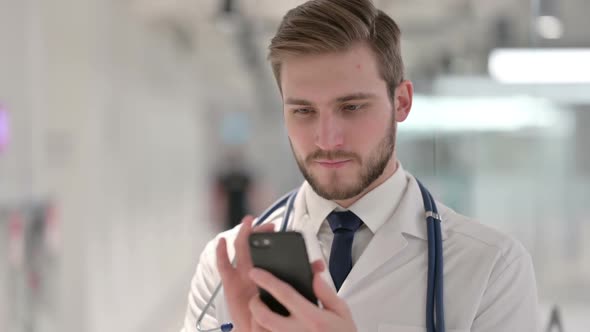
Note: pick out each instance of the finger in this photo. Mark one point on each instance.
(318, 266)
(266, 318)
(297, 305)
(243, 260)
(329, 298)
(255, 327)
(224, 266)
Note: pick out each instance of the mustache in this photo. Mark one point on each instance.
(331, 155)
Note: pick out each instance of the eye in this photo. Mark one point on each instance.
(303, 111)
(352, 107)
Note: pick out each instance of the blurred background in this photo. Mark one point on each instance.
(132, 131)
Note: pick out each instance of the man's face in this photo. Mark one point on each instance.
(340, 119)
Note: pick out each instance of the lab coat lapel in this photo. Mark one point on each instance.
(382, 248)
(301, 223)
(388, 240)
(314, 251)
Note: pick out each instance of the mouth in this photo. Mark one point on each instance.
(332, 163)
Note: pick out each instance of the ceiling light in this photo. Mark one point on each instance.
(547, 66)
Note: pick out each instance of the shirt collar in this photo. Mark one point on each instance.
(374, 209)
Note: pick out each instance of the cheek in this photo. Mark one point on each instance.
(369, 134)
(301, 138)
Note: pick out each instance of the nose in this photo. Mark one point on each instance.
(329, 132)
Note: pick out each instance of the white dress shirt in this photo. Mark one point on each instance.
(374, 209)
(489, 283)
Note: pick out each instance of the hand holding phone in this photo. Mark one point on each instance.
(285, 256)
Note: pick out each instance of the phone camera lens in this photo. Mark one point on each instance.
(256, 243)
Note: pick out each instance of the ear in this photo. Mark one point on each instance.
(404, 94)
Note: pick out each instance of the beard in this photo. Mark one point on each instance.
(370, 169)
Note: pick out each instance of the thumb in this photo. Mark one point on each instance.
(327, 295)
(318, 266)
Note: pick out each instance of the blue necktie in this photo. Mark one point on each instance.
(344, 224)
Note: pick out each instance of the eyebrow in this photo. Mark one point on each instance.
(356, 96)
(297, 101)
(349, 97)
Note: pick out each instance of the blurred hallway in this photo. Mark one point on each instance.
(116, 117)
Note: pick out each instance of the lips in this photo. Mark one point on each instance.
(332, 163)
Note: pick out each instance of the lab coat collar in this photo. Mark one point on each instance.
(410, 217)
(400, 192)
(408, 220)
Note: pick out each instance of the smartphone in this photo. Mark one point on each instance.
(285, 256)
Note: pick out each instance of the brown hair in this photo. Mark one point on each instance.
(324, 26)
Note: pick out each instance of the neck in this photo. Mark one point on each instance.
(389, 170)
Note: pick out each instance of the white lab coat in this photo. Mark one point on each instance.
(489, 283)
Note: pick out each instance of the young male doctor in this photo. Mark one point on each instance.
(339, 70)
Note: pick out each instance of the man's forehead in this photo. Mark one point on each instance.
(331, 77)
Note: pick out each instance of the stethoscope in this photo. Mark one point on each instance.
(435, 321)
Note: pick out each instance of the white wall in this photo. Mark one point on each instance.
(106, 121)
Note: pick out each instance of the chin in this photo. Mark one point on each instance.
(336, 192)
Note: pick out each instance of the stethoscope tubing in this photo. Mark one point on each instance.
(435, 321)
